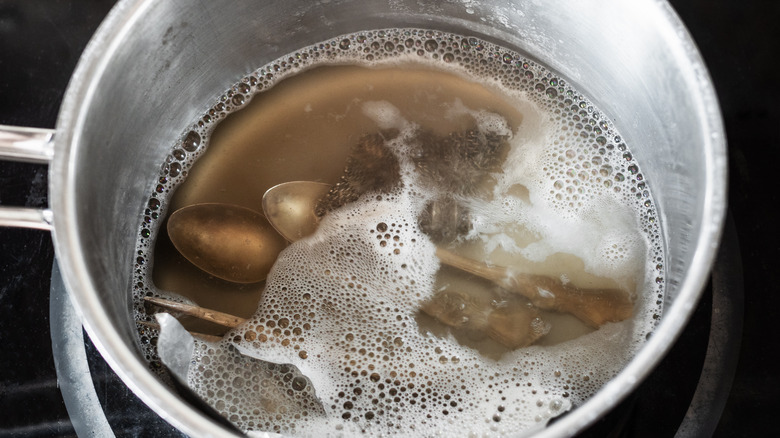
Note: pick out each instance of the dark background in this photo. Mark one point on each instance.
(41, 41)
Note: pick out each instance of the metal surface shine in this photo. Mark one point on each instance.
(661, 100)
(12, 122)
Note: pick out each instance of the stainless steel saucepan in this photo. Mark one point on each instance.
(154, 65)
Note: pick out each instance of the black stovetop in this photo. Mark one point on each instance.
(40, 43)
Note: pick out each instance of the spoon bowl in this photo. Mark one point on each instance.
(227, 241)
(289, 207)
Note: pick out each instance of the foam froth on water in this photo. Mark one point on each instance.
(336, 345)
(340, 307)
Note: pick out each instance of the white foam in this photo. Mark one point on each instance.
(486, 121)
(372, 300)
(340, 306)
(351, 293)
(384, 114)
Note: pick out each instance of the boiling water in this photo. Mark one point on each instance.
(339, 337)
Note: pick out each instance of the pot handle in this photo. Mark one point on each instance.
(30, 145)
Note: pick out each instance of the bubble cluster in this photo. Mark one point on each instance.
(256, 394)
(342, 312)
(334, 345)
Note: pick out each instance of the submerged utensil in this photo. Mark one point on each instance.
(227, 241)
(593, 306)
(289, 207)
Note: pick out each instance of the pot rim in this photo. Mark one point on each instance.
(126, 363)
(134, 372)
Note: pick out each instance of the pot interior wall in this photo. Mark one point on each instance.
(173, 59)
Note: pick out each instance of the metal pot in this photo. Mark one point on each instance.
(154, 65)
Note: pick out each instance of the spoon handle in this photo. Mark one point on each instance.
(201, 336)
(593, 306)
(217, 317)
(496, 274)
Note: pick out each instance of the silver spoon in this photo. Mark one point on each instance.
(289, 207)
(227, 241)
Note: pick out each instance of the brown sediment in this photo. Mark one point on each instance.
(457, 164)
(371, 167)
(445, 220)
